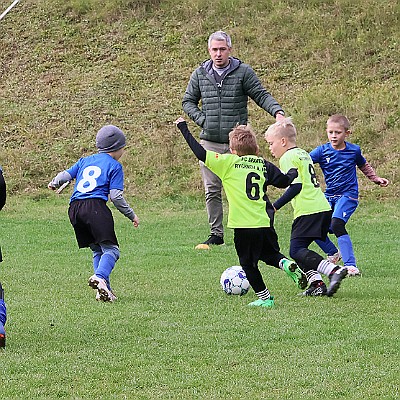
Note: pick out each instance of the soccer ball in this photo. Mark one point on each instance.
(234, 281)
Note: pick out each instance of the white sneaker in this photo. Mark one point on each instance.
(111, 299)
(100, 284)
(352, 270)
(335, 258)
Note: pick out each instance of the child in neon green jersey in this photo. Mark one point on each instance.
(312, 212)
(245, 177)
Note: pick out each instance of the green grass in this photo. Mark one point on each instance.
(173, 333)
(68, 67)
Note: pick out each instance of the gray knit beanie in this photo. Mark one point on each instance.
(110, 138)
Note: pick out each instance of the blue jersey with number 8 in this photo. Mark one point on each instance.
(95, 176)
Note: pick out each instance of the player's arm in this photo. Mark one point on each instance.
(117, 198)
(60, 179)
(3, 192)
(370, 173)
(277, 178)
(196, 147)
(292, 191)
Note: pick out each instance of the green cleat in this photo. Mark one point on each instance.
(294, 272)
(263, 303)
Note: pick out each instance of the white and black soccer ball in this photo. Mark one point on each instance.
(234, 281)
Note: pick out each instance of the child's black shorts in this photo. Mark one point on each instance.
(254, 244)
(312, 226)
(92, 221)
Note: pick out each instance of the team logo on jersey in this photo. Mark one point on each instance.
(216, 155)
(328, 159)
(344, 213)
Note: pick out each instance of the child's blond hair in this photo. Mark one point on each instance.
(284, 128)
(243, 140)
(341, 120)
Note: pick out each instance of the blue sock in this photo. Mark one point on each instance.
(3, 312)
(327, 246)
(346, 248)
(106, 265)
(96, 260)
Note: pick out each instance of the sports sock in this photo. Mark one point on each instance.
(3, 312)
(264, 295)
(346, 249)
(327, 246)
(96, 260)
(313, 276)
(326, 267)
(106, 265)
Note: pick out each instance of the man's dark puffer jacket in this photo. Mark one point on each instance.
(224, 106)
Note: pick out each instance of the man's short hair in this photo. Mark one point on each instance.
(220, 35)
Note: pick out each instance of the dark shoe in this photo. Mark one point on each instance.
(335, 280)
(317, 288)
(214, 239)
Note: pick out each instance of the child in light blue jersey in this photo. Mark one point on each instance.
(98, 177)
(338, 160)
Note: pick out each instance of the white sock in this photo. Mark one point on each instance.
(326, 267)
(313, 276)
(264, 295)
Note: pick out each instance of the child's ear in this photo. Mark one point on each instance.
(283, 141)
(348, 132)
(232, 151)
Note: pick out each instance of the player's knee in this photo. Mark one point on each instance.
(306, 258)
(338, 227)
(111, 250)
(299, 255)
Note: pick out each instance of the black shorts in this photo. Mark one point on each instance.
(254, 244)
(314, 226)
(92, 221)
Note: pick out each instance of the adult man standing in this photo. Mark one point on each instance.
(223, 85)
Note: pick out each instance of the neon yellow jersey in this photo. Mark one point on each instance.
(311, 199)
(245, 182)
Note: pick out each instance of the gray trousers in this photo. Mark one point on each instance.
(213, 189)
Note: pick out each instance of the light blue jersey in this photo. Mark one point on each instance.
(95, 176)
(339, 168)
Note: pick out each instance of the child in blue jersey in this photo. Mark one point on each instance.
(98, 177)
(338, 160)
(312, 213)
(245, 177)
(3, 308)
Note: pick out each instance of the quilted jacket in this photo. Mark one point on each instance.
(224, 104)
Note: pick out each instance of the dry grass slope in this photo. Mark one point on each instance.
(68, 67)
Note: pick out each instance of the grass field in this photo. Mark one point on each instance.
(68, 67)
(173, 333)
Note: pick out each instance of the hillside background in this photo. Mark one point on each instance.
(70, 66)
